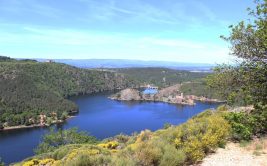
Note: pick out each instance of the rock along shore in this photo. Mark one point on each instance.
(169, 95)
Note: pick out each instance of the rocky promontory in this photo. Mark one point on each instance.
(127, 95)
(169, 95)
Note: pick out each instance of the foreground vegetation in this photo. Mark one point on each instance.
(174, 145)
(29, 89)
(245, 83)
(185, 144)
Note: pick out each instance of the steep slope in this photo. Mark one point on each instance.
(29, 89)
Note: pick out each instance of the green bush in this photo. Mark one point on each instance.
(85, 160)
(167, 125)
(260, 115)
(61, 152)
(172, 156)
(123, 157)
(246, 124)
(241, 125)
(56, 139)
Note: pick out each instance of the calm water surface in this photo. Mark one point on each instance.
(102, 118)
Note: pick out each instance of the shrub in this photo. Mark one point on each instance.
(223, 108)
(63, 151)
(147, 154)
(144, 136)
(109, 145)
(172, 156)
(260, 115)
(155, 151)
(34, 162)
(122, 138)
(241, 124)
(54, 140)
(201, 135)
(167, 125)
(85, 160)
(121, 160)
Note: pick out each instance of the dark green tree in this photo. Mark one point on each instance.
(248, 78)
(245, 83)
(55, 139)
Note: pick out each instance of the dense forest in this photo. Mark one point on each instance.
(29, 89)
(161, 77)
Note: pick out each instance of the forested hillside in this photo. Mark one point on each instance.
(29, 89)
(161, 76)
(200, 88)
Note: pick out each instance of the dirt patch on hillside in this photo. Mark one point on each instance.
(252, 153)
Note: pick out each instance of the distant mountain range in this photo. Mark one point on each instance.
(121, 63)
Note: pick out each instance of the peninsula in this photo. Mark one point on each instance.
(171, 94)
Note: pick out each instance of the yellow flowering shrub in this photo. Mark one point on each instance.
(144, 136)
(109, 145)
(46, 162)
(201, 134)
(114, 150)
(86, 152)
(57, 163)
(28, 163)
(36, 162)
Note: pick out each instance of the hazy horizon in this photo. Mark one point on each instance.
(186, 31)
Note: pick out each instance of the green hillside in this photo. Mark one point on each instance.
(29, 88)
(161, 76)
(200, 88)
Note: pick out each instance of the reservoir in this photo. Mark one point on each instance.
(102, 118)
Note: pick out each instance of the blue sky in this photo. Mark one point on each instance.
(165, 30)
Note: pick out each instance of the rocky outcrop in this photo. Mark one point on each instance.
(127, 95)
(169, 95)
(204, 99)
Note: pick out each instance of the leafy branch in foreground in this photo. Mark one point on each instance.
(247, 79)
(246, 82)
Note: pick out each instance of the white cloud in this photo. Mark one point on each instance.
(53, 39)
(92, 44)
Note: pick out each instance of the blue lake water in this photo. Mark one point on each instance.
(150, 91)
(101, 117)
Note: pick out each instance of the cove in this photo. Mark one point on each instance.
(101, 117)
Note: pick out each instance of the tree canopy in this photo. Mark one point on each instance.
(246, 81)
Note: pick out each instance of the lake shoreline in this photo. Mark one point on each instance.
(33, 126)
(170, 94)
(102, 118)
